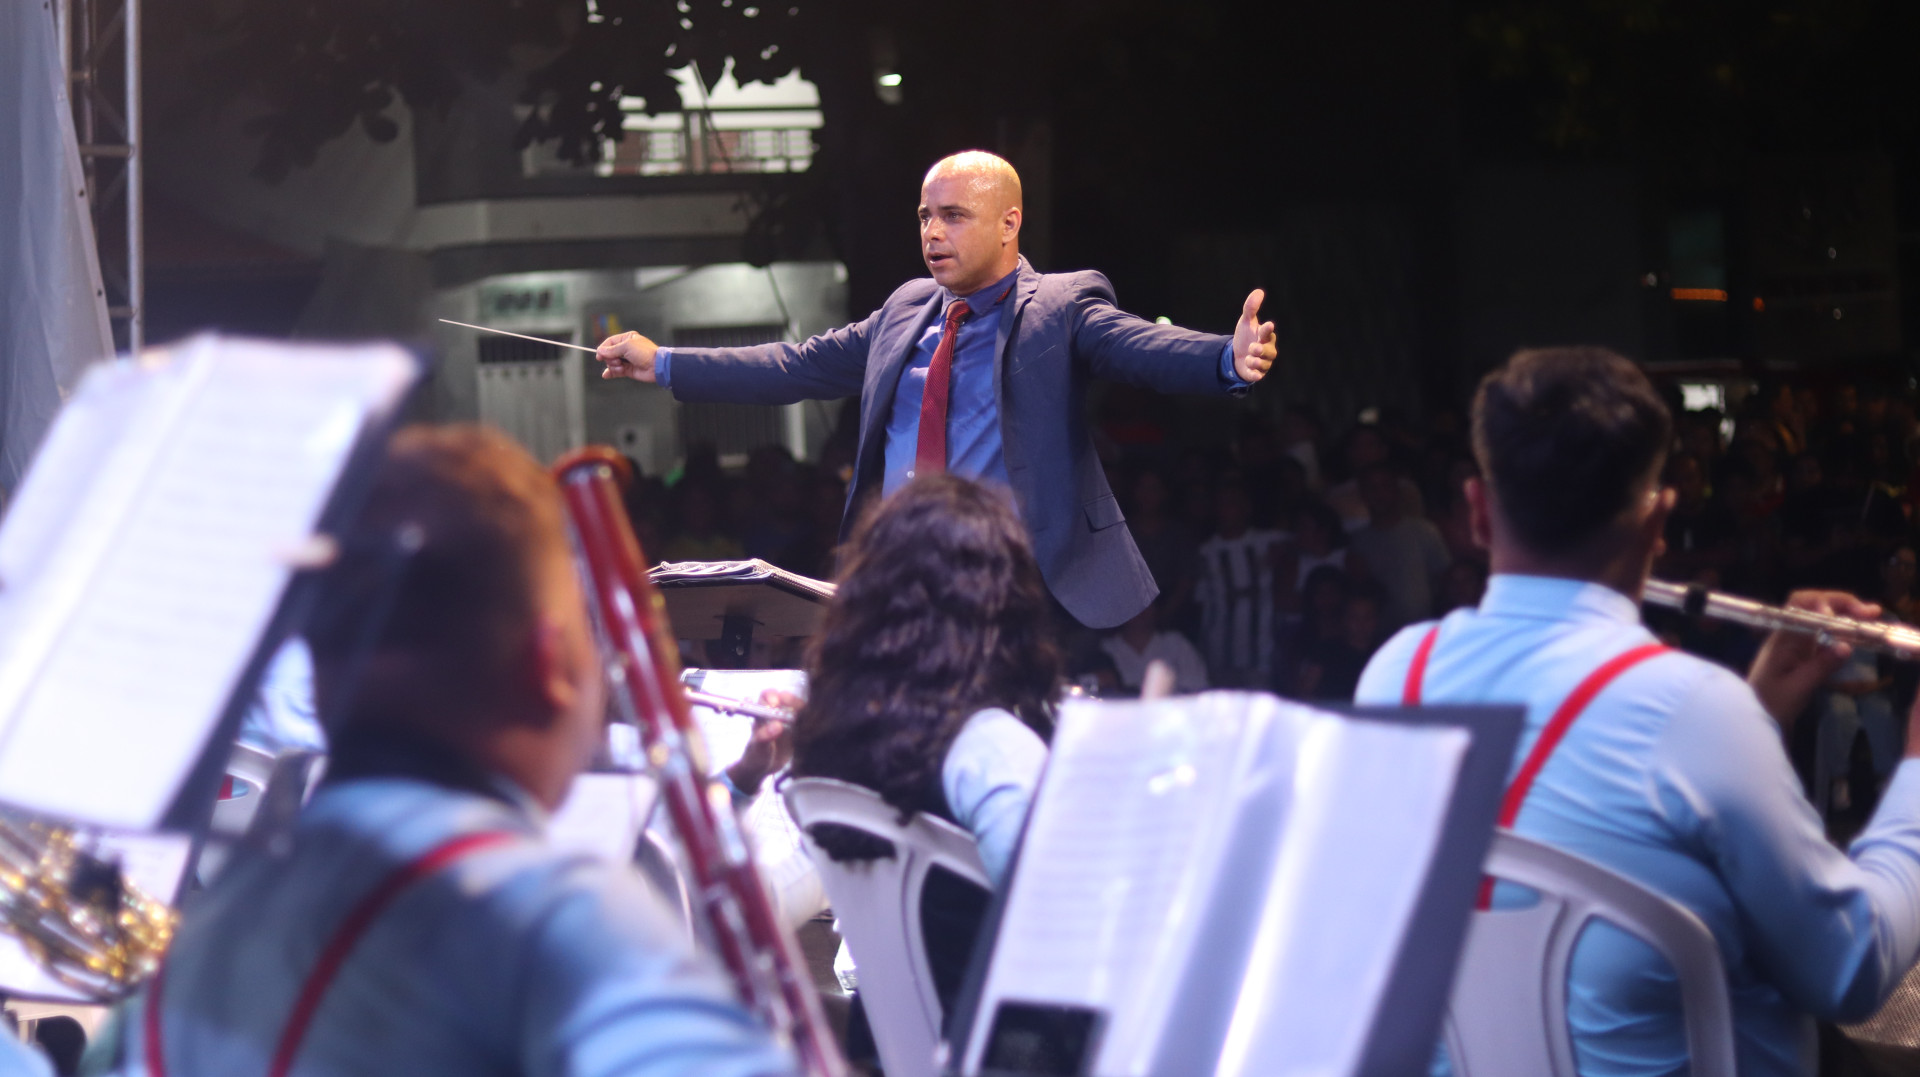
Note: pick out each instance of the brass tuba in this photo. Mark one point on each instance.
(77, 916)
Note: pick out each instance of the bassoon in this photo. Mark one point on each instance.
(643, 676)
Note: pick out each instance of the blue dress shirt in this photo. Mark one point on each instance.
(989, 778)
(1675, 777)
(974, 447)
(516, 959)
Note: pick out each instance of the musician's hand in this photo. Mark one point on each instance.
(1791, 665)
(771, 747)
(627, 355)
(1253, 347)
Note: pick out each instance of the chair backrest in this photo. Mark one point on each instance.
(658, 860)
(1508, 1013)
(262, 794)
(877, 903)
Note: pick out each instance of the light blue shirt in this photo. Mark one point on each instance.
(18, 1059)
(989, 777)
(515, 959)
(1676, 777)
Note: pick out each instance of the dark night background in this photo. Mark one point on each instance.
(1383, 167)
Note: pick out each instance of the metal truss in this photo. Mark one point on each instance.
(106, 117)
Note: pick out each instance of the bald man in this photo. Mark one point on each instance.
(982, 370)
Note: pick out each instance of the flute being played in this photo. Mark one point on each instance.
(1886, 637)
(759, 712)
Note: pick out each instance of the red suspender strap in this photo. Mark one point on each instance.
(1554, 731)
(1562, 720)
(1417, 672)
(355, 924)
(156, 1065)
(1550, 735)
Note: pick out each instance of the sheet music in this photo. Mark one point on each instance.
(750, 571)
(1134, 799)
(128, 638)
(1345, 886)
(1179, 842)
(152, 862)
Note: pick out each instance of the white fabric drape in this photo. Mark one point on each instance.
(53, 312)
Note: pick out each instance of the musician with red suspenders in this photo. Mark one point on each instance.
(414, 921)
(1658, 765)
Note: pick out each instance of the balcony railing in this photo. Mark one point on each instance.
(695, 142)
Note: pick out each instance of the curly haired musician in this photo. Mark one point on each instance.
(415, 921)
(933, 675)
(1673, 772)
(932, 682)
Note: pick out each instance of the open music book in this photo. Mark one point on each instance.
(720, 573)
(1230, 883)
(145, 559)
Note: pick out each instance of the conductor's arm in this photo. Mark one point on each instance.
(824, 367)
(1125, 347)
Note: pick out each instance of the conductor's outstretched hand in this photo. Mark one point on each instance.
(627, 355)
(1253, 346)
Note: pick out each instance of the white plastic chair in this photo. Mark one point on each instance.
(1508, 1013)
(877, 903)
(658, 860)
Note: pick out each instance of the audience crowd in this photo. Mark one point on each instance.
(1286, 556)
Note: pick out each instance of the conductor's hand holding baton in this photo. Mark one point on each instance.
(627, 355)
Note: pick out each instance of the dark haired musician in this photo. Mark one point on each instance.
(933, 675)
(1673, 772)
(982, 368)
(932, 682)
(415, 922)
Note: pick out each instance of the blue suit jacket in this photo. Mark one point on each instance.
(1061, 331)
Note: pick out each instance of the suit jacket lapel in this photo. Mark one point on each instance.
(1024, 286)
(894, 351)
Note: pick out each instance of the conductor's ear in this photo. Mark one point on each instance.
(1010, 224)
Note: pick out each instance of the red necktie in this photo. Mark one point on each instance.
(930, 455)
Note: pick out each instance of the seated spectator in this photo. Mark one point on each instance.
(1332, 669)
(698, 533)
(1300, 438)
(1897, 577)
(1319, 539)
(1405, 554)
(1141, 641)
(1367, 447)
(1166, 543)
(1236, 592)
(1323, 611)
(1699, 527)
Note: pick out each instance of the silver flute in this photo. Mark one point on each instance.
(729, 705)
(1886, 637)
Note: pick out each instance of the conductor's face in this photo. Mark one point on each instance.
(969, 231)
